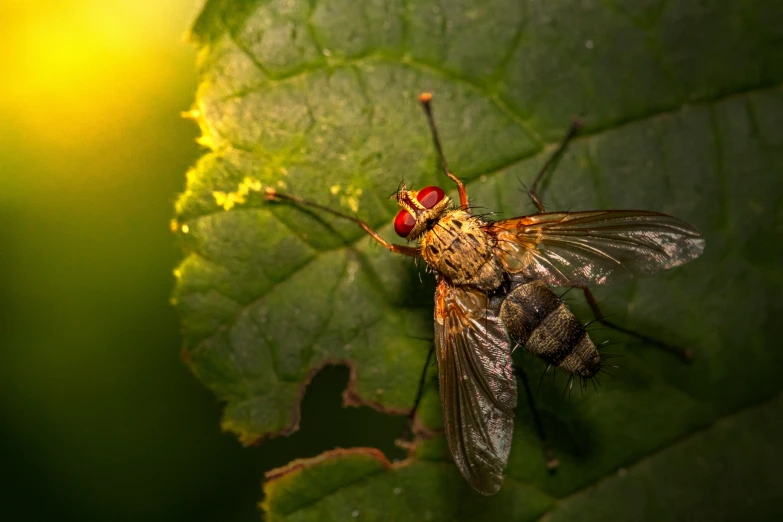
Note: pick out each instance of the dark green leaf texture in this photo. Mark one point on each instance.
(684, 107)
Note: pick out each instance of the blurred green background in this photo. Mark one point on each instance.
(99, 417)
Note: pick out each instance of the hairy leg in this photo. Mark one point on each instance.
(686, 354)
(551, 162)
(408, 433)
(274, 195)
(551, 460)
(425, 99)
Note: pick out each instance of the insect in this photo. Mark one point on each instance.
(493, 294)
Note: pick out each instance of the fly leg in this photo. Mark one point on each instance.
(686, 354)
(408, 432)
(551, 460)
(273, 195)
(425, 98)
(551, 162)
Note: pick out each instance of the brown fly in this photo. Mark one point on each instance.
(493, 294)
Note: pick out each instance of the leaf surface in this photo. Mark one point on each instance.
(684, 109)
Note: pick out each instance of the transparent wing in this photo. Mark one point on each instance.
(595, 247)
(478, 391)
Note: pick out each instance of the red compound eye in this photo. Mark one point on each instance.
(404, 223)
(430, 196)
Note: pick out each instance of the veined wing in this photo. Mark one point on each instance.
(594, 247)
(478, 391)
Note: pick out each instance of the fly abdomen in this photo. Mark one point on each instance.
(540, 321)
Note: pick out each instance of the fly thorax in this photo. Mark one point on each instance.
(457, 247)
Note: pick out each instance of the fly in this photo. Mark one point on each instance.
(493, 294)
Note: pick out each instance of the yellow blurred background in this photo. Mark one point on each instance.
(99, 419)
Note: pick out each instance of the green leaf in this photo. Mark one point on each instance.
(684, 110)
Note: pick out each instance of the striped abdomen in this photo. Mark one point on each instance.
(540, 321)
